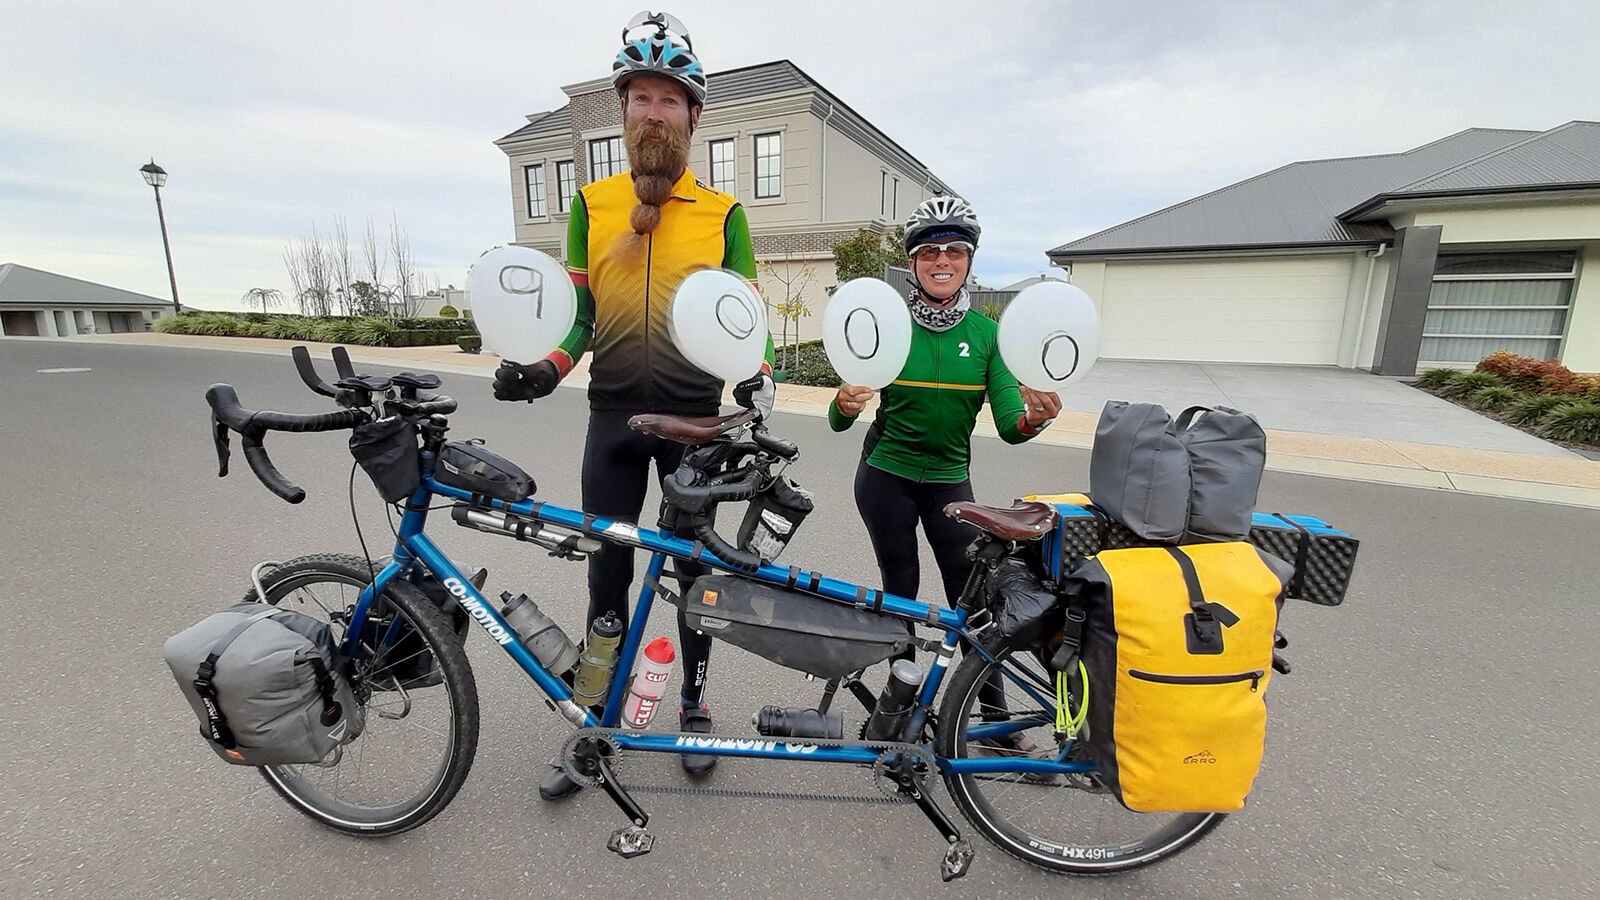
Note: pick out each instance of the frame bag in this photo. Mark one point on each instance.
(1178, 647)
(470, 467)
(267, 685)
(824, 637)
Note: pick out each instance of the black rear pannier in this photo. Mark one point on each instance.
(813, 634)
(470, 467)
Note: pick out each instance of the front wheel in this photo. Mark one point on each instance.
(415, 686)
(1066, 824)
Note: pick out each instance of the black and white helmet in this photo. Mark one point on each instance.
(667, 52)
(940, 219)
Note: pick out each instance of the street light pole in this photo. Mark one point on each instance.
(155, 176)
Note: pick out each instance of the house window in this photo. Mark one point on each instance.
(722, 175)
(889, 197)
(533, 177)
(1483, 302)
(769, 165)
(566, 185)
(607, 157)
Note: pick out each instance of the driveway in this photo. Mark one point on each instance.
(1310, 399)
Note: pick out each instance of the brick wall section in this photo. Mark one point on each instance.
(806, 245)
(597, 109)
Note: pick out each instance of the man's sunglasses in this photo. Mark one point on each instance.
(953, 249)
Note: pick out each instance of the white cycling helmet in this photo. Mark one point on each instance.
(667, 52)
(942, 219)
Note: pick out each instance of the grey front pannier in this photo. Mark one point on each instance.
(266, 685)
(813, 634)
(1194, 479)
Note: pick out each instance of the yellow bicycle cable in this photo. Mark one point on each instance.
(1068, 722)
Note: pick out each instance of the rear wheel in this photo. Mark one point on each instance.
(417, 691)
(1063, 823)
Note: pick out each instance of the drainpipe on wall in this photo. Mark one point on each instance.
(1366, 301)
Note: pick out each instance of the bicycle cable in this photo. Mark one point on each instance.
(356, 520)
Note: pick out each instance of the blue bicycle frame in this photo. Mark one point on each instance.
(414, 546)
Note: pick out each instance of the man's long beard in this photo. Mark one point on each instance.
(656, 165)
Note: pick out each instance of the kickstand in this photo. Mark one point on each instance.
(958, 855)
(630, 840)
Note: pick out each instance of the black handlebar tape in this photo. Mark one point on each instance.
(308, 371)
(435, 404)
(256, 455)
(272, 420)
(225, 407)
(733, 556)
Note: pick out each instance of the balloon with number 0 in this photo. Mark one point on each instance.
(719, 324)
(866, 331)
(522, 301)
(1050, 335)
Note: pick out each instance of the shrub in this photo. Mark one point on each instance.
(991, 310)
(1587, 386)
(811, 366)
(336, 331)
(469, 343)
(292, 328)
(1531, 407)
(1523, 372)
(173, 325)
(1494, 397)
(1469, 383)
(449, 312)
(1438, 378)
(1577, 421)
(373, 331)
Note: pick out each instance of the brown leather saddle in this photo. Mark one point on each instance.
(1020, 522)
(690, 430)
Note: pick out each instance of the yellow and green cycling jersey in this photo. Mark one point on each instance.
(923, 429)
(626, 282)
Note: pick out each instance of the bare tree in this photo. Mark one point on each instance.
(791, 306)
(311, 273)
(377, 262)
(405, 272)
(339, 263)
(264, 296)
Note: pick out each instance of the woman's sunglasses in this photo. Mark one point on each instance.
(953, 249)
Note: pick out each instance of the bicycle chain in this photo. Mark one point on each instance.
(924, 767)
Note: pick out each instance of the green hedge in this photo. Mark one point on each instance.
(372, 331)
(812, 367)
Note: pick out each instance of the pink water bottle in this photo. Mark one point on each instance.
(644, 695)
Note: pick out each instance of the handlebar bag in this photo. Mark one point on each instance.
(1178, 648)
(267, 685)
(470, 467)
(387, 451)
(773, 517)
(823, 637)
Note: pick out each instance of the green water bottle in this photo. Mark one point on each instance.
(593, 681)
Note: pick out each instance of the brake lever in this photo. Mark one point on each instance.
(219, 435)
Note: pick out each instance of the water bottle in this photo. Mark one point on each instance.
(543, 637)
(593, 681)
(894, 707)
(649, 683)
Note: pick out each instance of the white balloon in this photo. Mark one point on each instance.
(719, 324)
(522, 301)
(866, 331)
(1050, 335)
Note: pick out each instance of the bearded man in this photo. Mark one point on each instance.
(631, 241)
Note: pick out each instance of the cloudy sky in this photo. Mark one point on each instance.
(1055, 119)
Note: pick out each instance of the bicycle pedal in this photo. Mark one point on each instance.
(957, 859)
(632, 840)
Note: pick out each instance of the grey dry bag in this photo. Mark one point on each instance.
(266, 684)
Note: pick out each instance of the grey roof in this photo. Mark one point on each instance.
(1029, 282)
(1567, 156)
(24, 284)
(779, 77)
(1295, 205)
(722, 87)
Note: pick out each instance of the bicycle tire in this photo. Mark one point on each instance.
(452, 682)
(980, 796)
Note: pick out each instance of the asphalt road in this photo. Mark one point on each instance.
(1436, 739)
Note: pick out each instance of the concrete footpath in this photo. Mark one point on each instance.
(1549, 474)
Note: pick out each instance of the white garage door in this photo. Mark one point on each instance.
(1277, 310)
